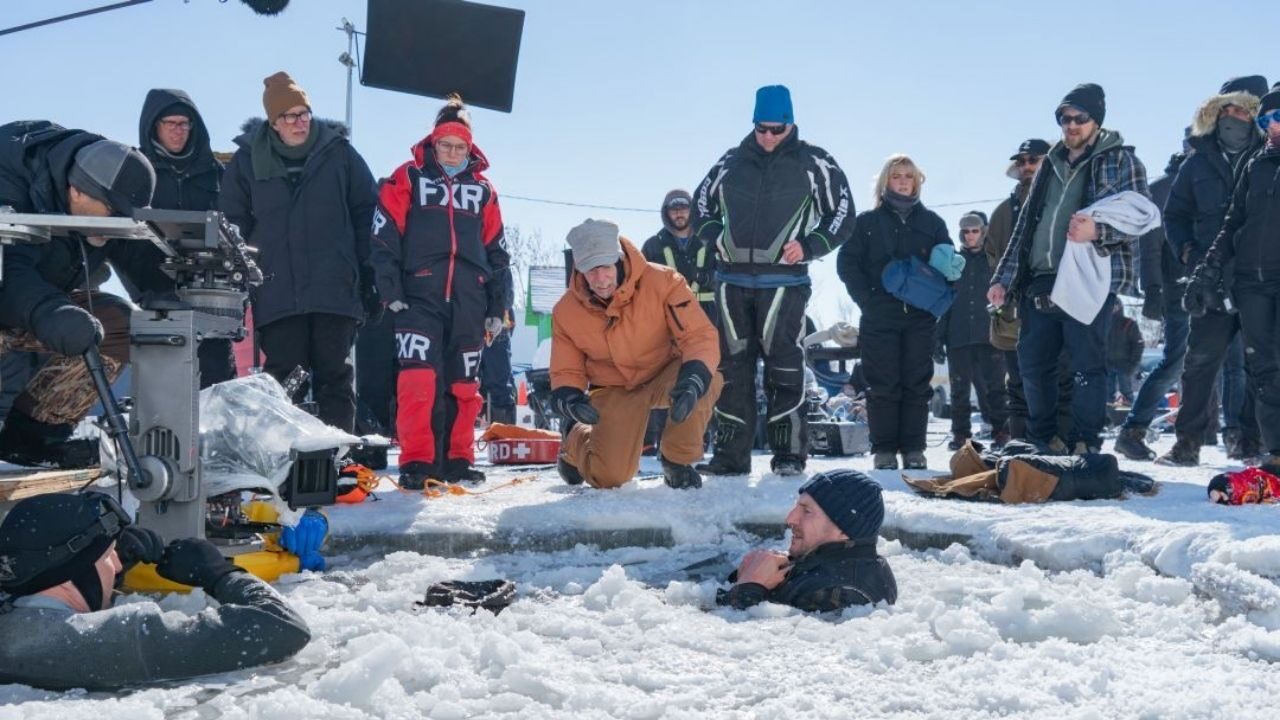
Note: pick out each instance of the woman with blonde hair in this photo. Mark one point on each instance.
(897, 338)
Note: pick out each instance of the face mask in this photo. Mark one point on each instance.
(1234, 134)
(452, 170)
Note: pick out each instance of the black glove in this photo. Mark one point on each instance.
(135, 545)
(370, 300)
(1204, 291)
(65, 328)
(691, 385)
(573, 404)
(195, 562)
(1153, 304)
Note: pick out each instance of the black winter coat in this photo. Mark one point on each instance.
(35, 157)
(312, 239)
(1124, 345)
(189, 183)
(833, 576)
(753, 202)
(1250, 233)
(696, 262)
(882, 235)
(967, 322)
(1199, 198)
(1171, 268)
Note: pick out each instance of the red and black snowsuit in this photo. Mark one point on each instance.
(438, 247)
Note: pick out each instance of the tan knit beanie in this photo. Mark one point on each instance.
(282, 93)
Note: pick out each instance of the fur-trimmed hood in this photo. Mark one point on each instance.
(1205, 121)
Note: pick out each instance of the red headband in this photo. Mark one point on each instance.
(454, 128)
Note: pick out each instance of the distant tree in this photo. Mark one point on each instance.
(527, 249)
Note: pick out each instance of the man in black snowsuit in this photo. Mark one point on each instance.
(832, 562)
(964, 341)
(1223, 138)
(772, 204)
(173, 136)
(1245, 249)
(304, 197)
(47, 301)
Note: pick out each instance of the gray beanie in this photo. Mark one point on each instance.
(114, 173)
(594, 243)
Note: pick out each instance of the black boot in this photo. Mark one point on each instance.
(957, 441)
(1233, 439)
(502, 414)
(1131, 444)
(29, 442)
(414, 475)
(721, 466)
(457, 470)
(787, 465)
(1185, 453)
(568, 473)
(680, 477)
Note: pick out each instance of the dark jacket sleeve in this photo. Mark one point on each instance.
(852, 261)
(24, 289)
(1223, 248)
(386, 251)
(1179, 212)
(235, 198)
(499, 288)
(652, 250)
(362, 199)
(138, 264)
(708, 217)
(834, 203)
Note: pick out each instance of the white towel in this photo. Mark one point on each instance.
(1084, 276)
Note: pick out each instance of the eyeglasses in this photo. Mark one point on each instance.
(771, 129)
(176, 124)
(453, 148)
(295, 118)
(1268, 118)
(1028, 160)
(1077, 119)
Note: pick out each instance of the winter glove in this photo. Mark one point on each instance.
(139, 545)
(494, 326)
(1153, 304)
(1204, 291)
(691, 385)
(573, 404)
(305, 539)
(396, 306)
(195, 562)
(65, 328)
(947, 261)
(370, 300)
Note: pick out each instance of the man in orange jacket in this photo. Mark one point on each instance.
(634, 333)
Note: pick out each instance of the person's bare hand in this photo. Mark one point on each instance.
(792, 253)
(764, 567)
(1082, 229)
(995, 295)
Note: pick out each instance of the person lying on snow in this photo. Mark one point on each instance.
(60, 557)
(832, 562)
(634, 332)
(1251, 486)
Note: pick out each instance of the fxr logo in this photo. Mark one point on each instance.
(379, 221)
(413, 345)
(465, 196)
(470, 362)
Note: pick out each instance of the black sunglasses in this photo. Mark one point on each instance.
(1077, 119)
(1028, 160)
(771, 129)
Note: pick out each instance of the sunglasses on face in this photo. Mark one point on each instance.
(1268, 118)
(770, 129)
(1076, 119)
(1027, 160)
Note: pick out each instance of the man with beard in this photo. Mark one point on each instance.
(173, 136)
(772, 204)
(832, 561)
(1087, 165)
(1223, 137)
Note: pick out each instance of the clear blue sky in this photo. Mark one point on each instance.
(618, 102)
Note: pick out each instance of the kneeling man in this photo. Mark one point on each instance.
(632, 332)
(832, 562)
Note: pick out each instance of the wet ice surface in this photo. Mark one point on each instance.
(1159, 607)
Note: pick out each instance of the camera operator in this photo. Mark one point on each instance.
(48, 303)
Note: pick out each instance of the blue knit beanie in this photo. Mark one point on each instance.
(852, 500)
(773, 105)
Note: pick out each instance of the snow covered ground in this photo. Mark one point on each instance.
(1152, 607)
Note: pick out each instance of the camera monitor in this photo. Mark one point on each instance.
(438, 47)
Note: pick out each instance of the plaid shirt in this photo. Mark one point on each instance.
(1110, 171)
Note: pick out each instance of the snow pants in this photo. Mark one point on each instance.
(897, 358)
(760, 323)
(607, 454)
(438, 343)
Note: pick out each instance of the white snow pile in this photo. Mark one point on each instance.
(625, 634)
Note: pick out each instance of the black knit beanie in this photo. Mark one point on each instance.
(1089, 97)
(853, 501)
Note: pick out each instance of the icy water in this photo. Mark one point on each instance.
(628, 633)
